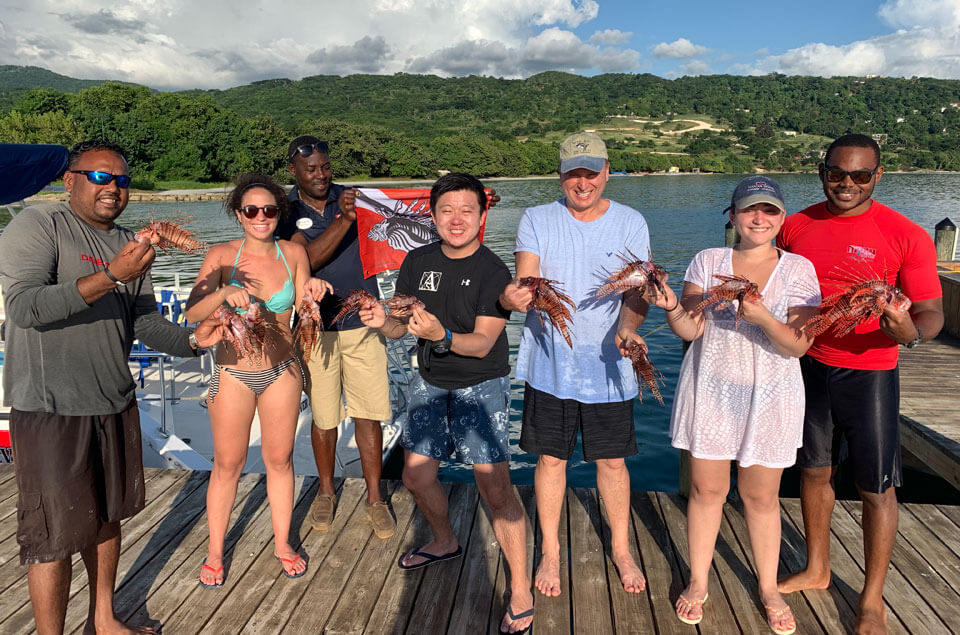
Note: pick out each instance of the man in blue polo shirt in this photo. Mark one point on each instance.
(352, 360)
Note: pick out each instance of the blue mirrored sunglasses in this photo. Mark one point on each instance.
(104, 178)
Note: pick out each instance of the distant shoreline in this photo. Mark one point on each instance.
(221, 193)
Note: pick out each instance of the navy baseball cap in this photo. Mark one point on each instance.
(756, 189)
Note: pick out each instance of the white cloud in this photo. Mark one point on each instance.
(610, 37)
(680, 49)
(551, 49)
(925, 44)
(925, 13)
(171, 44)
(921, 52)
(695, 67)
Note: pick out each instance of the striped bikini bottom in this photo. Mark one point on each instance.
(255, 380)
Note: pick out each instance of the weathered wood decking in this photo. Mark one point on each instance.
(930, 405)
(354, 586)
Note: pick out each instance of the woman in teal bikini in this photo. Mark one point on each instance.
(256, 268)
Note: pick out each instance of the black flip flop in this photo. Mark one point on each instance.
(514, 618)
(430, 558)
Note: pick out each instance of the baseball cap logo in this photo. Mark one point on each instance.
(581, 146)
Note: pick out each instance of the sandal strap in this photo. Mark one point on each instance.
(692, 603)
(518, 616)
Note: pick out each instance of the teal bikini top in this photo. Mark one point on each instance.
(282, 300)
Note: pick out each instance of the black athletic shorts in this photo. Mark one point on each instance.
(550, 427)
(74, 474)
(853, 414)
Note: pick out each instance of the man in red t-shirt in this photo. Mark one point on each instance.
(851, 382)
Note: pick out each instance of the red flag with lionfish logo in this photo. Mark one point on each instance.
(391, 222)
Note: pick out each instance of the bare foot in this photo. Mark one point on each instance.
(871, 621)
(547, 579)
(211, 571)
(804, 580)
(519, 604)
(630, 575)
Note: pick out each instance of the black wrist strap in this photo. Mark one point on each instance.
(113, 278)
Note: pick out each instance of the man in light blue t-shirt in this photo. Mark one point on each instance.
(590, 385)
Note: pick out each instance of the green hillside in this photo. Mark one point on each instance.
(413, 125)
(16, 80)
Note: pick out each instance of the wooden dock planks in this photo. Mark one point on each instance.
(354, 586)
(929, 417)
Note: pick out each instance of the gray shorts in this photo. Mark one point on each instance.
(472, 421)
(74, 475)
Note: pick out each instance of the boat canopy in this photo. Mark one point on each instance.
(27, 168)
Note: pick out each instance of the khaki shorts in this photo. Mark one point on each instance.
(353, 365)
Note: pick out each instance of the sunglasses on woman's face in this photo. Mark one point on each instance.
(251, 211)
(860, 177)
(103, 178)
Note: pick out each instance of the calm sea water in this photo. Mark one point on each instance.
(684, 216)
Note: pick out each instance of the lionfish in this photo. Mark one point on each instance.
(547, 299)
(730, 288)
(634, 274)
(865, 297)
(646, 373)
(170, 234)
(404, 228)
(310, 323)
(355, 300)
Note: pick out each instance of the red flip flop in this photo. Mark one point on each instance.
(215, 572)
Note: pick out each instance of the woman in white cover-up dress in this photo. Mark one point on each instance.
(740, 393)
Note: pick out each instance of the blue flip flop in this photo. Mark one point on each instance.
(514, 618)
(429, 558)
(292, 562)
(204, 565)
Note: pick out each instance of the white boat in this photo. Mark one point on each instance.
(175, 425)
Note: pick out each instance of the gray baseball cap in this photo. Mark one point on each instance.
(756, 189)
(583, 150)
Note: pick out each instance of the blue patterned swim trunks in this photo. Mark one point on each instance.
(472, 421)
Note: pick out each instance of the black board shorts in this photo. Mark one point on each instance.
(74, 475)
(855, 415)
(550, 427)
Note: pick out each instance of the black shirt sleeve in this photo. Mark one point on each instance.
(495, 278)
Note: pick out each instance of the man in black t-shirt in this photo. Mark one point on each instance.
(460, 400)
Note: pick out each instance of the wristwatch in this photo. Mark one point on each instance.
(442, 346)
(117, 281)
(915, 342)
(192, 340)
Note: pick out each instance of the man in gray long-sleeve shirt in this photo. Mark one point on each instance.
(77, 292)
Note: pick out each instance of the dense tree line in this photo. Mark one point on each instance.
(413, 125)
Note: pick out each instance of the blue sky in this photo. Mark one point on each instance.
(175, 44)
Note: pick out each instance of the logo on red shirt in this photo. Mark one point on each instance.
(862, 253)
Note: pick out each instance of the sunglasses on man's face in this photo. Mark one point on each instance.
(251, 211)
(309, 148)
(860, 177)
(103, 178)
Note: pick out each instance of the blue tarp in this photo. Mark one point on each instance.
(26, 168)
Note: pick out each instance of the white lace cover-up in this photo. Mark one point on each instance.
(737, 396)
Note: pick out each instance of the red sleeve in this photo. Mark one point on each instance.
(918, 273)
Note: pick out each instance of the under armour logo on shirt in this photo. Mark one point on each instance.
(465, 283)
(430, 281)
